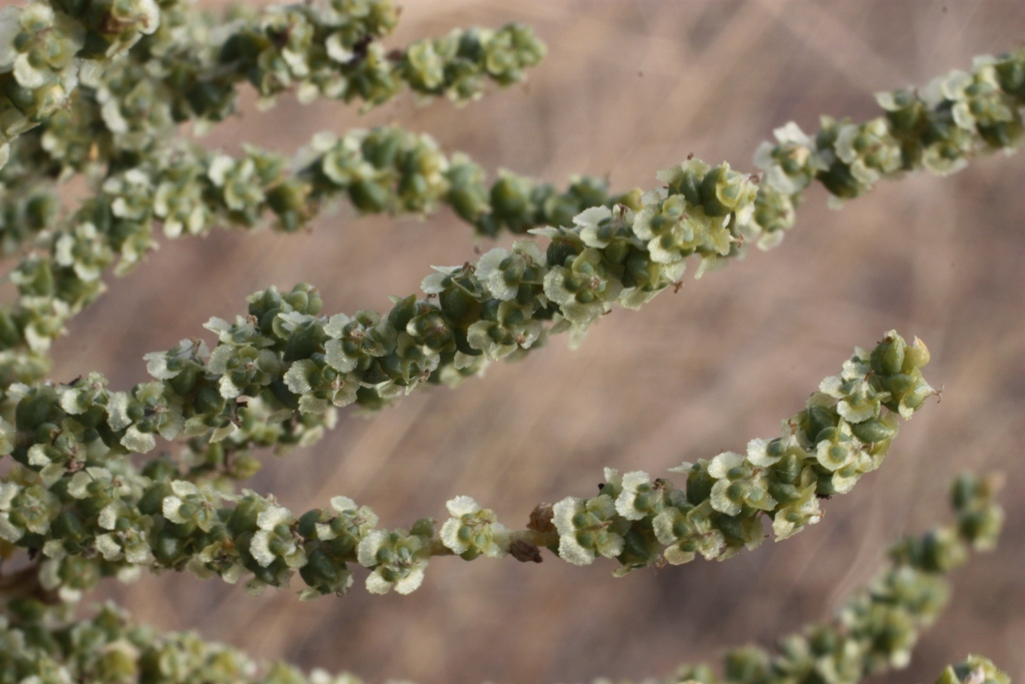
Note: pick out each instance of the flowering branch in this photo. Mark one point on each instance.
(190, 67)
(287, 357)
(188, 190)
(875, 631)
(954, 118)
(76, 498)
(938, 128)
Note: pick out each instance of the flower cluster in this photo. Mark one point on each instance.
(108, 647)
(37, 66)
(41, 49)
(45, 644)
(844, 433)
(330, 48)
(472, 531)
(974, 669)
(190, 68)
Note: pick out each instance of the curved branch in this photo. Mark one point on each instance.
(78, 500)
(873, 632)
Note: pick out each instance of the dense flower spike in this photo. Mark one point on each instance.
(75, 497)
(823, 451)
(333, 50)
(872, 633)
(330, 48)
(43, 643)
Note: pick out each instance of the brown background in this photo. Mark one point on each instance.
(629, 88)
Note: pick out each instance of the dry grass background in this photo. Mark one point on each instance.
(629, 88)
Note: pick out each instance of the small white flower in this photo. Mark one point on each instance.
(220, 166)
(273, 516)
(80, 481)
(109, 515)
(403, 572)
(227, 388)
(462, 505)
(589, 222)
(117, 411)
(156, 366)
(335, 356)
(831, 386)
(858, 366)
(260, 548)
(758, 456)
(137, 441)
(723, 463)
(371, 543)
(486, 534)
(432, 284)
(342, 504)
(336, 50)
(625, 502)
(37, 456)
(335, 326)
(8, 530)
(297, 377)
(492, 277)
(569, 548)
(107, 545)
(720, 500)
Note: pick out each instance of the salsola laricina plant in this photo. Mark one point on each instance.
(102, 483)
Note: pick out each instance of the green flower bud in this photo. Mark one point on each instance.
(723, 191)
(973, 669)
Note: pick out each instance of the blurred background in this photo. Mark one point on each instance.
(630, 87)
